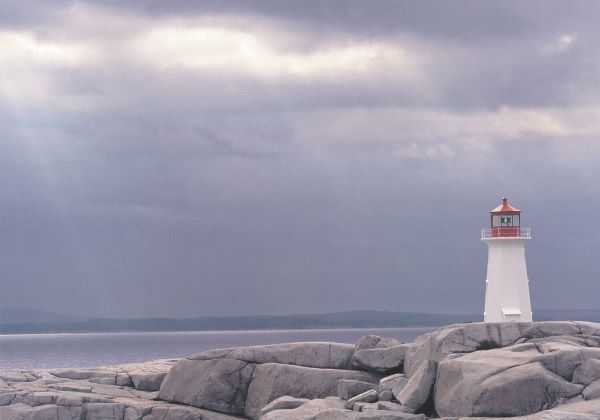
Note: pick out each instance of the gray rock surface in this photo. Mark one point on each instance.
(217, 384)
(273, 380)
(361, 406)
(143, 376)
(374, 342)
(460, 339)
(41, 395)
(592, 391)
(418, 389)
(283, 403)
(389, 415)
(537, 370)
(392, 384)
(382, 360)
(391, 406)
(587, 372)
(316, 354)
(328, 408)
(502, 382)
(369, 396)
(348, 388)
(385, 396)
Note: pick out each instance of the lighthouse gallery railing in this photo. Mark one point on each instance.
(506, 232)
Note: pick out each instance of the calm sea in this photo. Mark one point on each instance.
(41, 351)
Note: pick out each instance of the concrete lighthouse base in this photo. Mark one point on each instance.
(507, 285)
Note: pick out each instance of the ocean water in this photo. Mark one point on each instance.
(43, 351)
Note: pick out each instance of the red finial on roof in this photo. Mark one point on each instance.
(505, 207)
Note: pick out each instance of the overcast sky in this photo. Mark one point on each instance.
(187, 158)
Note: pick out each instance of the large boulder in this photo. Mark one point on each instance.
(273, 380)
(382, 360)
(415, 393)
(217, 384)
(459, 339)
(310, 354)
(501, 382)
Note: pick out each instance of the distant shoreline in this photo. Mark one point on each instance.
(282, 330)
(340, 320)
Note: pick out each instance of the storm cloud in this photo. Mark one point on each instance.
(183, 158)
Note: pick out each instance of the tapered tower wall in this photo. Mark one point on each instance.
(507, 285)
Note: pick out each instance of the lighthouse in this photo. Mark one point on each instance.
(507, 284)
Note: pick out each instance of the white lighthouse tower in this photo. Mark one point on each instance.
(507, 284)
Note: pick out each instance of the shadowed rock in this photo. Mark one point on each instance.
(417, 390)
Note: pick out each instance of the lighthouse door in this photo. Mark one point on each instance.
(511, 314)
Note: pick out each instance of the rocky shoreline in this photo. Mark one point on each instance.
(540, 370)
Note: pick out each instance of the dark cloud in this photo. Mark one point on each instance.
(133, 183)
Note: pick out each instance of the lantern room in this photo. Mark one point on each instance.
(505, 221)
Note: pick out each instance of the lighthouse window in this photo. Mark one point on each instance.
(516, 220)
(496, 221)
(506, 220)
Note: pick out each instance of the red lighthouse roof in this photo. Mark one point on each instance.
(505, 207)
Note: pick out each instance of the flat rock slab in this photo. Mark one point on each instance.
(348, 388)
(64, 399)
(308, 354)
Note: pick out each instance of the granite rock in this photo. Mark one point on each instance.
(311, 354)
(283, 403)
(216, 384)
(348, 388)
(592, 391)
(587, 372)
(501, 382)
(382, 360)
(369, 396)
(328, 408)
(391, 406)
(273, 380)
(415, 393)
